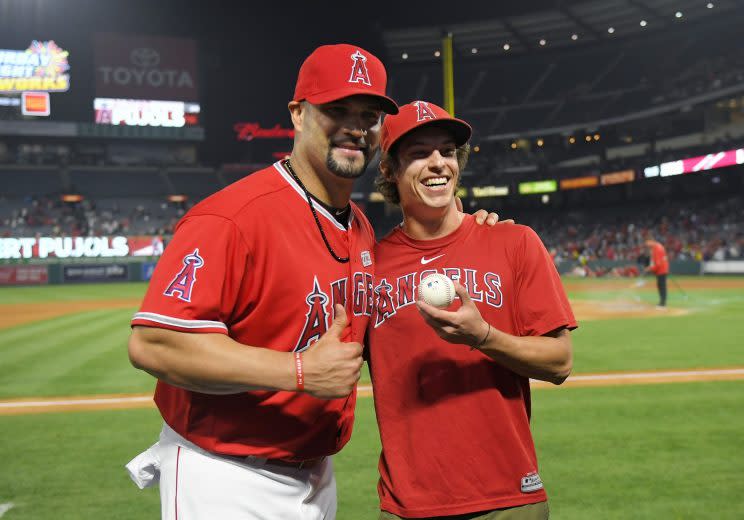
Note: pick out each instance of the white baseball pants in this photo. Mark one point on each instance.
(198, 485)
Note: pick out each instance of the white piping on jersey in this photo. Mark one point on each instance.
(177, 322)
(318, 208)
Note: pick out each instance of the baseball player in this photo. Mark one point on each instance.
(451, 386)
(659, 265)
(254, 317)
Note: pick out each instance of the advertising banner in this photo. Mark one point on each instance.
(147, 270)
(532, 187)
(145, 67)
(579, 182)
(23, 275)
(95, 273)
(43, 67)
(617, 177)
(712, 161)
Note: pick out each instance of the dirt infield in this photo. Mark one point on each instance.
(586, 310)
(613, 284)
(128, 401)
(22, 313)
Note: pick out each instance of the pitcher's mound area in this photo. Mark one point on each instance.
(615, 309)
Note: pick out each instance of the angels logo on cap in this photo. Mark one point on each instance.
(334, 72)
(420, 113)
(359, 72)
(423, 112)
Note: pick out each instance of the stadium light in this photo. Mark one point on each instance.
(588, 138)
(514, 146)
(543, 42)
(545, 198)
(476, 148)
(644, 23)
(437, 53)
(572, 139)
(574, 37)
(678, 14)
(596, 137)
(507, 46)
(540, 142)
(610, 30)
(404, 56)
(474, 50)
(710, 5)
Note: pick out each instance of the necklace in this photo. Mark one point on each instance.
(315, 215)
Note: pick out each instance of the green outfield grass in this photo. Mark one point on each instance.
(641, 452)
(85, 353)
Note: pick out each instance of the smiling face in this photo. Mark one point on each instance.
(428, 170)
(342, 136)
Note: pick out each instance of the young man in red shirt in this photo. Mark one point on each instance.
(451, 386)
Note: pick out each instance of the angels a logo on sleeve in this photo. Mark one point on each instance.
(184, 281)
(359, 73)
(423, 111)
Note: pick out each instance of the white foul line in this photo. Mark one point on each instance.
(4, 508)
(73, 402)
(662, 375)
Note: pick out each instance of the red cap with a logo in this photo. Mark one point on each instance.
(419, 113)
(333, 72)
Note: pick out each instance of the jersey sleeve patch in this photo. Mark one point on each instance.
(183, 283)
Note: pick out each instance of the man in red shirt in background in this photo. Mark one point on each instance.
(660, 267)
(451, 387)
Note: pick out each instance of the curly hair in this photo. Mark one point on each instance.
(385, 180)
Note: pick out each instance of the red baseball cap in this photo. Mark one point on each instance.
(419, 113)
(333, 72)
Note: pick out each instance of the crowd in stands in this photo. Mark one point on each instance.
(52, 217)
(698, 231)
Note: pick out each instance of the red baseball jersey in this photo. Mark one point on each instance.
(659, 260)
(454, 423)
(249, 262)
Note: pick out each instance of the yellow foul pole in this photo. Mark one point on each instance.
(448, 72)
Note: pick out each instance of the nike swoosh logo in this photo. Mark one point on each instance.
(425, 260)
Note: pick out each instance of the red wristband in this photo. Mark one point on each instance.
(299, 374)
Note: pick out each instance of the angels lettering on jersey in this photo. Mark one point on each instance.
(320, 305)
(392, 295)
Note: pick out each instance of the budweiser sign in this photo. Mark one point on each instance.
(251, 131)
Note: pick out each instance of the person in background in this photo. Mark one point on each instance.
(659, 265)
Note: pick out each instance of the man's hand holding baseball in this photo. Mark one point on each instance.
(330, 366)
(465, 325)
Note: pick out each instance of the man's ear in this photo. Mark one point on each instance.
(297, 112)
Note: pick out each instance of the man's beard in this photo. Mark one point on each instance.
(347, 170)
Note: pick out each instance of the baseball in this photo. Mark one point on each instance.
(437, 290)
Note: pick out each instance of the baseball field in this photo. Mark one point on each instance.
(649, 426)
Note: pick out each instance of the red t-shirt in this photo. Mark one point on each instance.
(454, 424)
(249, 262)
(659, 260)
